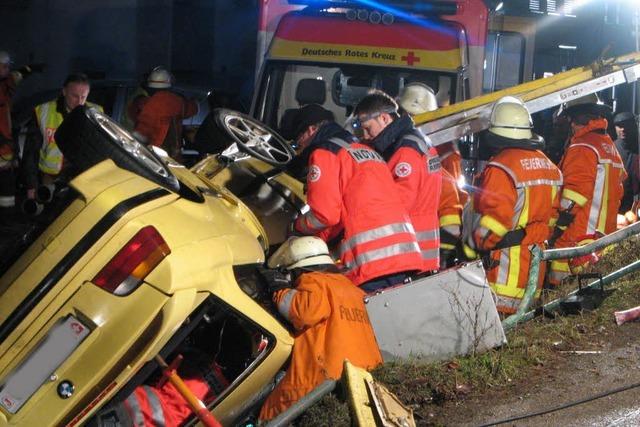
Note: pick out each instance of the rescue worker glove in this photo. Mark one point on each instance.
(275, 279)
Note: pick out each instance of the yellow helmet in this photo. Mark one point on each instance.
(511, 119)
(299, 252)
(417, 98)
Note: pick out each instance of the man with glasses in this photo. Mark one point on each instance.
(414, 164)
(352, 198)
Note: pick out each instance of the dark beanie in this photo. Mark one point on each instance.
(307, 116)
(625, 116)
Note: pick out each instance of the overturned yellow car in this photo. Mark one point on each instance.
(136, 257)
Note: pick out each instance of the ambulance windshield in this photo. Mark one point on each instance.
(338, 87)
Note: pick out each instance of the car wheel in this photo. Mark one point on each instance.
(87, 137)
(254, 138)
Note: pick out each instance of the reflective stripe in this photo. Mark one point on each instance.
(602, 222)
(452, 219)
(375, 234)
(535, 182)
(514, 265)
(506, 304)
(422, 143)
(309, 224)
(7, 201)
(574, 196)
(427, 235)
(447, 246)
(340, 143)
(469, 252)
(382, 253)
(494, 225)
(156, 408)
(454, 230)
(138, 416)
(285, 304)
(530, 183)
(503, 267)
(520, 202)
(596, 202)
(430, 253)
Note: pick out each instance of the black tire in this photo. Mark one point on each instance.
(222, 114)
(84, 144)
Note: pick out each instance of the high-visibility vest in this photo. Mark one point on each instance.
(593, 182)
(49, 119)
(518, 196)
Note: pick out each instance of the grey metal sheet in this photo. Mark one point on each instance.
(435, 318)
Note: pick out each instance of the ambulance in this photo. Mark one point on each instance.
(333, 52)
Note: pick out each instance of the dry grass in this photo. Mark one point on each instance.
(531, 349)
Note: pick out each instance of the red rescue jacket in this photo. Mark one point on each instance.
(350, 189)
(415, 167)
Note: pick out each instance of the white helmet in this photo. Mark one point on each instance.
(159, 78)
(511, 119)
(417, 98)
(300, 252)
(5, 58)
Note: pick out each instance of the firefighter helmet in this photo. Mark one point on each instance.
(418, 98)
(300, 252)
(5, 58)
(159, 78)
(511, 119)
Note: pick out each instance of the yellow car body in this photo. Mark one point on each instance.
(52, 282)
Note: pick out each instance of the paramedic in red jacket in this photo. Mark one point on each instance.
(414, 165)
(351, 193)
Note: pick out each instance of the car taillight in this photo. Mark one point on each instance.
(124, 273)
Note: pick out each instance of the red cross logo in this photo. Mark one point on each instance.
(403, 169)
(410, 58)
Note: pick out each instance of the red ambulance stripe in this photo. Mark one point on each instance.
(319, 29)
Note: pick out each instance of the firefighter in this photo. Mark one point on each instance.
(160, 116)
(43, 160)
(418, 98)
(162, 404)
(593, 177)
(8, 81)
(329, 317)
(627, 145)
(414, 164)
(516, 204)
(352, 199)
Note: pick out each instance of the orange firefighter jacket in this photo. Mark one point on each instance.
(332, 325)
(593, 176)
(160, 117)
(449, 212)
(451, 161)
(519, 190)
(7, 89)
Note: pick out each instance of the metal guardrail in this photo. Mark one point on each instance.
(303, 404)
(538, 255)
